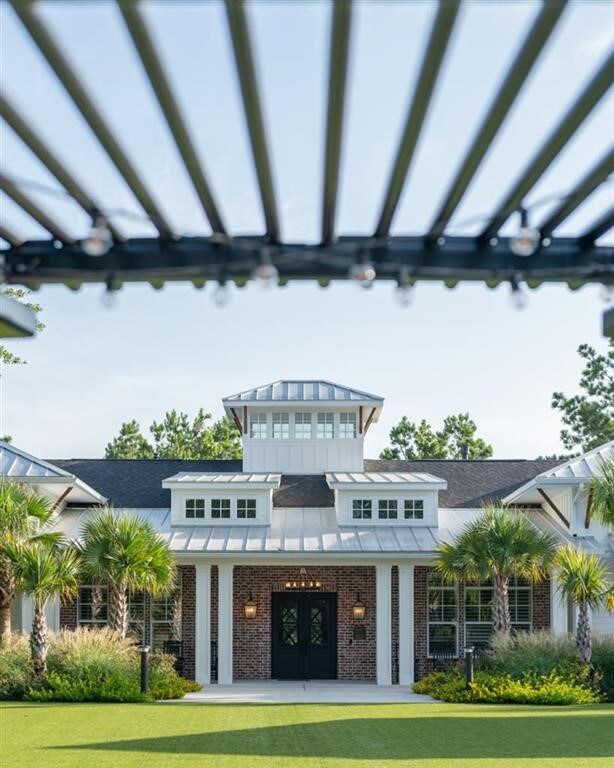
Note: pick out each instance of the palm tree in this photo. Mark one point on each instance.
(583, 580)
(23, 514)
(601, 493)
(44, 571)
(497, 546)
(127, 554)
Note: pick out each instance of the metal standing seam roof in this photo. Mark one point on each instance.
(582, 467)
(289, 391)
(225, 477)
(17, 463)
(308, 531)
(383, 478)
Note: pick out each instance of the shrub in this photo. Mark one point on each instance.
(603, 662)
(92, 665)
(15, 669)
(492, 687)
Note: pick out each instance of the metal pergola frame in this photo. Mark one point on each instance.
(433, 255)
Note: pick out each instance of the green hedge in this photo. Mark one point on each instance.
(88, 665)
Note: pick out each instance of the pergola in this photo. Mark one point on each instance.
(433, 255)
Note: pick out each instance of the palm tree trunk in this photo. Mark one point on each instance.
(118, 609)
(39, 643)
(7, 595)
(583, 633)
(502, 623)
(176, 619)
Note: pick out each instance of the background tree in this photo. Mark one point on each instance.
(23, 517)
(456, 440)
(582, 579)
(44, 571)
(177, 437)
(498, 545)
(127, 554)
(588, 418)
(601, 490)
(22, 295)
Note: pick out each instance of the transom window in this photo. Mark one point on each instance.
(347, 425)
(326, 426)
(387, 509)
(281, 426)
(257, 426)
(362, 509)
(479, 605)
(220, 508)
(246, 508)
(195, 508)
(302, 426)
(93, 605)
(414, 509)
(442, 607)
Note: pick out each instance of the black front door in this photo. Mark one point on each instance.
(304, 636)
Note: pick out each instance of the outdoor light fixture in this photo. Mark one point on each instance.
(100, 239)
(519, 297)
(526, 240)
(221, 295)
(363, 273)
(250, 608)
(109, 297)
(359, 609)
(405, 289)
(266, 273)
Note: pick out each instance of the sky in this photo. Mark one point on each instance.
(451, 351)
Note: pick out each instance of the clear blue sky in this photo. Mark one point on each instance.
(460, 350)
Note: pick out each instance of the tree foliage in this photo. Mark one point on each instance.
(177, 437)
(456, 440)
(21, 295)
(588, 417)
(601, 490)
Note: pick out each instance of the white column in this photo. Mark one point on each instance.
(406, 624)
(203, 624)
(224, 624)
(383, 624)
(558, 607)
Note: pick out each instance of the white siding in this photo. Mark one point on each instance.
(345, 498)
(603, 622)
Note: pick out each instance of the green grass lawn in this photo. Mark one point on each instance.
(272, 736)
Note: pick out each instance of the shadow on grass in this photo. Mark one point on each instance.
(440, 736)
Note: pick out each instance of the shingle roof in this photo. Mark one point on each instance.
(138, 483)
(287, 390)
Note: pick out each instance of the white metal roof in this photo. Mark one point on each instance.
(308, 531)
(340, 479)
(228, 478)
(309, 390)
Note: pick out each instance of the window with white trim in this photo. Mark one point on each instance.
(326, 426)
(166, 618)
(362, 509)
(302, 426)
(442, 616)
(479, 606)
(387, 509)
(246, 508)
(414, 509)
(257, 426)
(136, 615)
(92, 605)
(347, 425)
(281, 426)
(195, 509)
(220, 508)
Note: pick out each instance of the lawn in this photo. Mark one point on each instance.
(276, 736)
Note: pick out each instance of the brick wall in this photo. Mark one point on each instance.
(187, 575)
(252, 637)
(68, 614)
(394, 601)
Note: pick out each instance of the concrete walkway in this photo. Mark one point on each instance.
(316, 692)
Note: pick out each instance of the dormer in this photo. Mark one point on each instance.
(303, 427)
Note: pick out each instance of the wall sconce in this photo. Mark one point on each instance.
(359, 609)
(250, 608)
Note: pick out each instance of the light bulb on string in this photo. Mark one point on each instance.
(526, 241)
(100, 239)
(404, 291)
(221, 294)
(362, 273)
(519, 296)
(266, 273)
(109, 297)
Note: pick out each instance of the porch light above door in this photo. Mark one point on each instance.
(359, 609)
(251, 609)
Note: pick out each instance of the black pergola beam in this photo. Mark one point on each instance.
(585, 187)
(596, 88)
(56, 168)
(77, 92)
(337, 78)
(598, 229)
(425, 86)
(200, 259)
(523, 64)
(130, 10)
(248, 82)
(10, 237)
(32, 209)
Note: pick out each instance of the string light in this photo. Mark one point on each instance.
(266, 273)
(519, 296)
(404, 291)
(109, 296)
(526, 241)
(363, 273)
(221, 294)
(100, 239)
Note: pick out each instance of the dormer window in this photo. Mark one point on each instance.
(195, 509)
(362, 509)
(220, 508)
(246, 508)
(257, 426)
(281, 426)
(387, 509)
(347, 425)
(414, 509)
(302, 426)
(326, 426)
